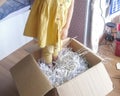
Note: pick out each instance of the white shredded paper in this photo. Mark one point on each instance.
(68, 65)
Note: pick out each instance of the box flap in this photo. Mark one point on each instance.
(52, 92)
(93, 82)
(92, 58)
(29, 79)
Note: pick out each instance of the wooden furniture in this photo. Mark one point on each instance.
(110, 61)
(7, 84)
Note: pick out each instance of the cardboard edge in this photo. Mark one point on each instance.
(35, 75)
(52, 92)
(77, 46)
(106, 82)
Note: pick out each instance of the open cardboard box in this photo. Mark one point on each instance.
(31, 81)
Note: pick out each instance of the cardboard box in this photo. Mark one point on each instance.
(30, 80)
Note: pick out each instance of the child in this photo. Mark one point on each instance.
(48, 22)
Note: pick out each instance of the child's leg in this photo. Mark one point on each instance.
(47, 54)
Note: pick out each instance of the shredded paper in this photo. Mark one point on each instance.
(68, 65)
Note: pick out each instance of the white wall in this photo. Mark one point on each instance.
(98, 22)
(11, 33)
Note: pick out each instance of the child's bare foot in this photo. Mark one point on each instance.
(55, 58)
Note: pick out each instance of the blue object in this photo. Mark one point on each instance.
(12, 5)
(114, 6)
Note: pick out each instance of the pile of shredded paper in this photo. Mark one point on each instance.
(68, 65)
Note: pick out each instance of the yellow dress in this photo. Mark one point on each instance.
(46, 20)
